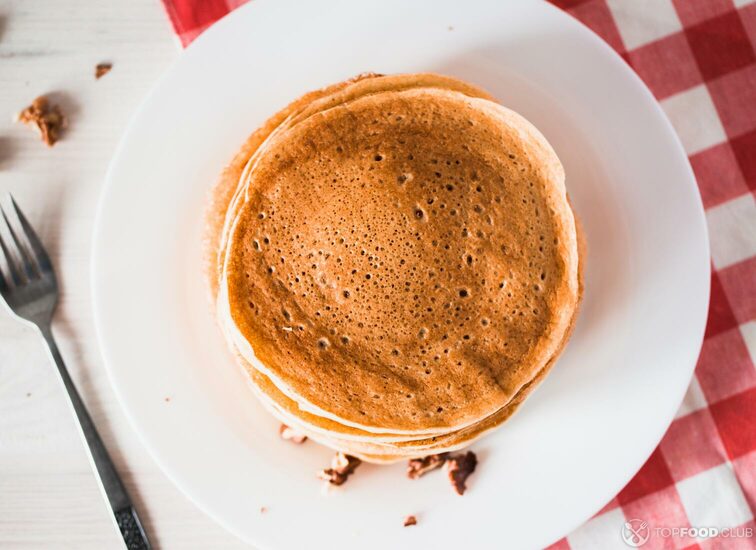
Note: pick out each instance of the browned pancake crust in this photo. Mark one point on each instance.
(418, 261)
(371, 449)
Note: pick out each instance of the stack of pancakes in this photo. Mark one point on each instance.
(395, 264)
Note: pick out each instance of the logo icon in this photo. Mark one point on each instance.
(635, 532)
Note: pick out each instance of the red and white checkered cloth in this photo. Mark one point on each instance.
(698, 57)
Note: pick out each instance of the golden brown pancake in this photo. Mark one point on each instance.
(397, 263)
(229, 185)
(391, 448)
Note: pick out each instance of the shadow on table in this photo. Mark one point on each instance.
(8, 149)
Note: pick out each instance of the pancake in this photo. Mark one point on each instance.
(379, 451)
(395, 262)
(426, 278)
(418, 447)
(227, 191)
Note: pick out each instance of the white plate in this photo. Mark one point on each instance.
(596, 418)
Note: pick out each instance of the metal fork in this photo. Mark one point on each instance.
(28, 285)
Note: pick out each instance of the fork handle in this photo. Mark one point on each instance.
(124, 514)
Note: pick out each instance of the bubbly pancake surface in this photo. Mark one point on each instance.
(404, 260)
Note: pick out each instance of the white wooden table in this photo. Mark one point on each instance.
(48, 494)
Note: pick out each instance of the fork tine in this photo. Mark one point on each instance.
(38, 251)
(10, 263)
(23, 255)
(3, 285)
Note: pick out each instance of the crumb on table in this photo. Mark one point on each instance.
(47, 118)
(101, 69)
(410, 520)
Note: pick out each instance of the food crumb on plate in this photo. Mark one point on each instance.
(418, 467)
(290, 434)
(342, 466)
(459, 467)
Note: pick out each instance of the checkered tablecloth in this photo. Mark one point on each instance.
(698, 57)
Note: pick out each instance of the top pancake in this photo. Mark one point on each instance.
(404, 259)
(228, 193)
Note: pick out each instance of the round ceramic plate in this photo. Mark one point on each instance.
(574, 443)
